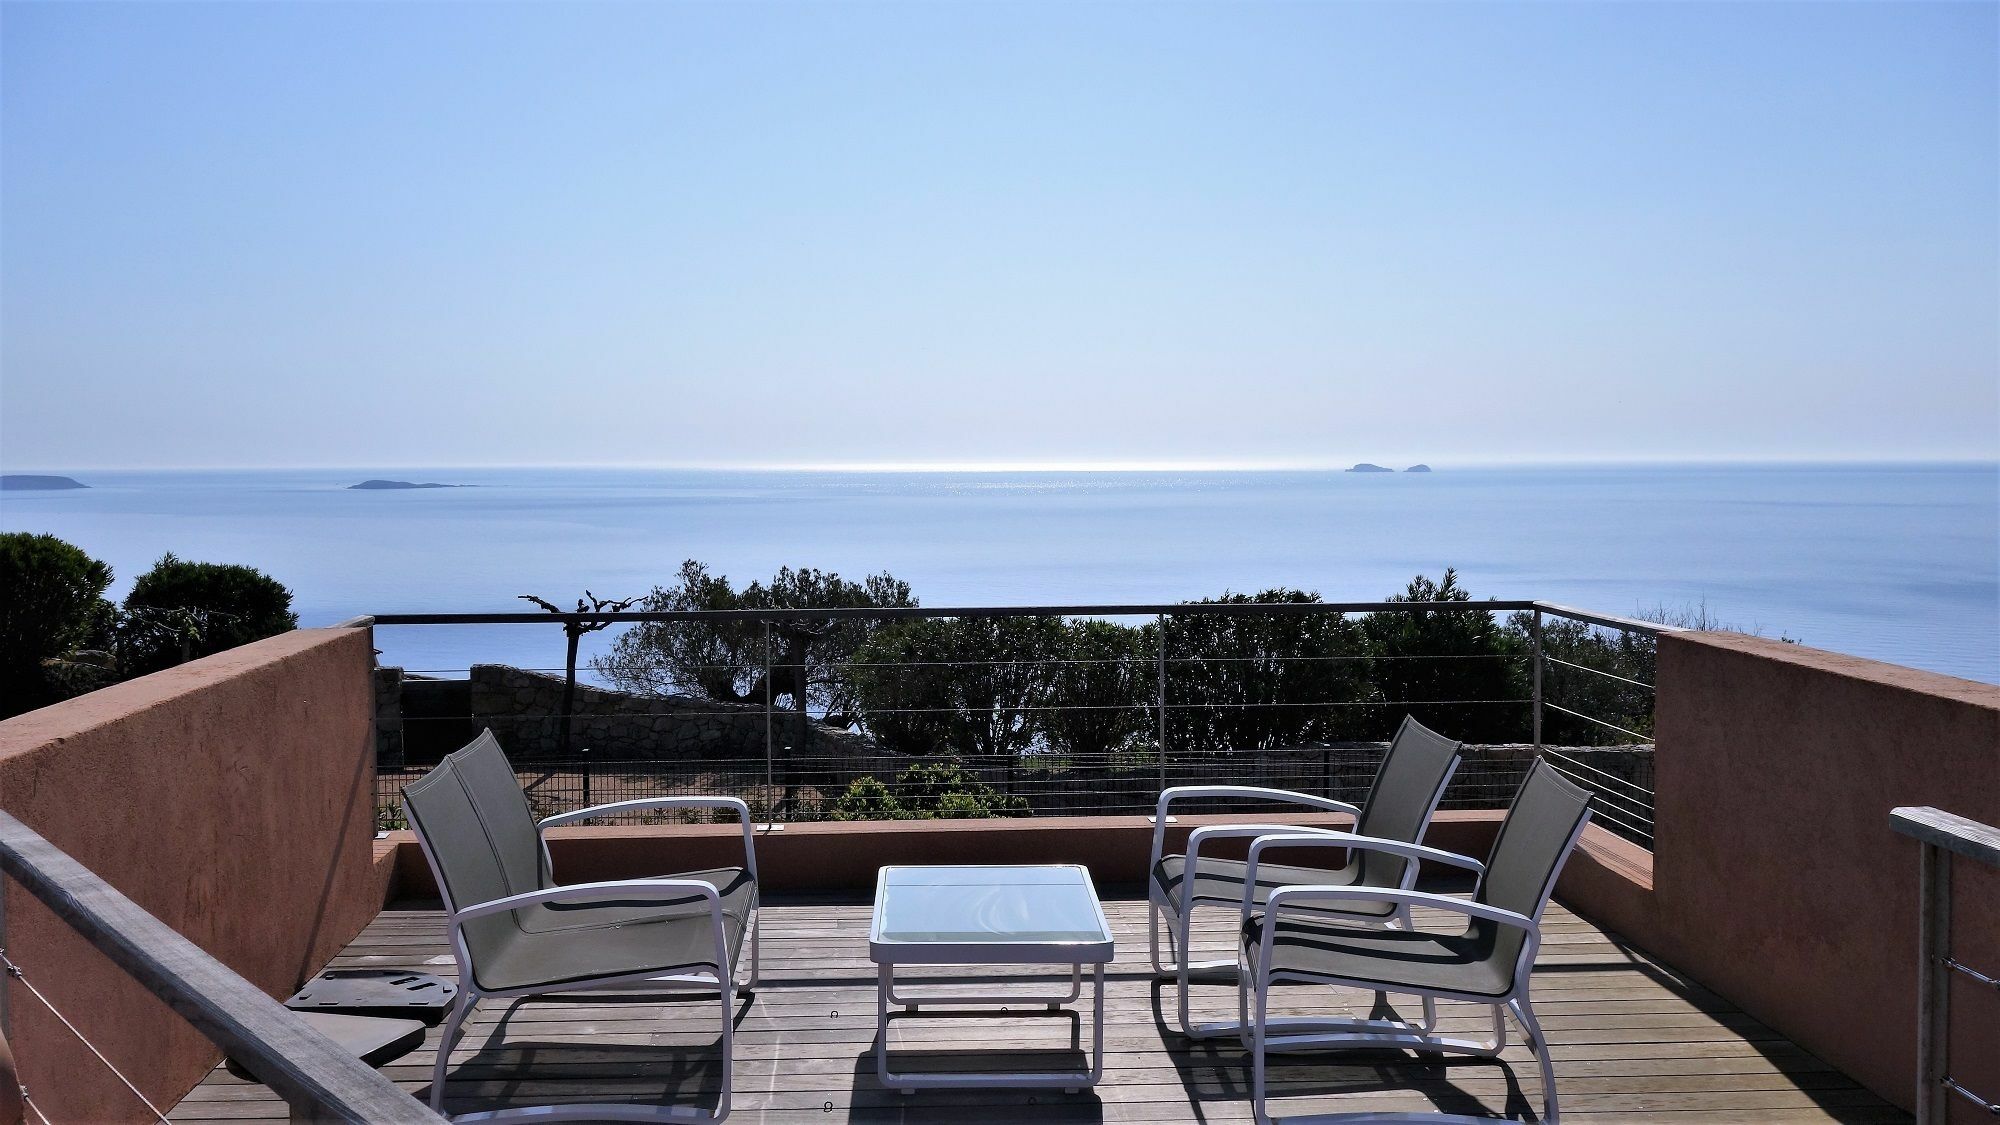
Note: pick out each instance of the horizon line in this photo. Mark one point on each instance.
(1057, 466)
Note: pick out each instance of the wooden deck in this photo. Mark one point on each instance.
(1632, 1040)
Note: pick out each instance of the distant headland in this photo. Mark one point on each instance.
(1418, 469)
(28, 482)
(379, 485)
(1366, 467)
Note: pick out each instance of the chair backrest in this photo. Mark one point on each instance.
(1406, 792)
(478, 834)
(1548, 814)
(489, 777)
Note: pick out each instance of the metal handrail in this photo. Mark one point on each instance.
(886, 613)
(1943, 835)
(889, 613)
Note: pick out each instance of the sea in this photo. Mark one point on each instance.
(1893, 562)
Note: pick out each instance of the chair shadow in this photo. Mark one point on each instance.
(1218, 1070)
(507, 1073)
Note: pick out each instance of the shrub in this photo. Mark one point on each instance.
(52, 612)
(181, 610)
(926, 791)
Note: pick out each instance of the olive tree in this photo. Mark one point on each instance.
(727, 659)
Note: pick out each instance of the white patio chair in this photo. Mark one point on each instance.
(1405, 793)
(516, 932)
(1489, 962)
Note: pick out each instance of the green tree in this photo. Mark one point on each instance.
(182, 610)
(726, 659)
(1457, 670)
(1591, 671)
(52, 611)
(971, 686)
(1264, 681)
(1101, 692)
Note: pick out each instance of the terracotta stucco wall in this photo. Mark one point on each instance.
(1777, 880)
(232, 798)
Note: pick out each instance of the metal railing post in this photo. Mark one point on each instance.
(1535, 638)
(1933, 984)
(1160, 701)
(770, 777)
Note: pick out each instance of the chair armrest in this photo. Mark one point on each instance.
(742, 809)
(1286, 896)
(588, 892)
(1203, 835)
(1326, 838)
(1250, 792)
(737, 803)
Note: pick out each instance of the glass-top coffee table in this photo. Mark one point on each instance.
(1044, 915)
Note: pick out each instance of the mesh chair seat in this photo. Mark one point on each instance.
(655, 941)
(1393, 960)
(1220, 882)
(733, 884)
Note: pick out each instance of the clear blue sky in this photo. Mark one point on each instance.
(329, 234)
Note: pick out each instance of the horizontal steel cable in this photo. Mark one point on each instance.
(15, 971)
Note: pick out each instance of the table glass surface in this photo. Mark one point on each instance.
(996, 905)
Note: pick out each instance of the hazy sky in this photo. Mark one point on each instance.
(298, 234)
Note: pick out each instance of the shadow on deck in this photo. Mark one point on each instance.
(1632, 1040)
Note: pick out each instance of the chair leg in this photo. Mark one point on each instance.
(1156, 915)
(1257, 1023)
(756, 931)
(447, 1038)
(1532, 1028)
(728, 1032)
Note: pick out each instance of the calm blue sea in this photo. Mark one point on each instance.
(1895, 563)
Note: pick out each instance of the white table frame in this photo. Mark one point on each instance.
(888, 954)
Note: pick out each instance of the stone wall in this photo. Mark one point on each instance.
(524, 710)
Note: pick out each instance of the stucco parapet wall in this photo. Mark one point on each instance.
(48, 727)
(1778, 767)
(230, 798)
(1936, 685)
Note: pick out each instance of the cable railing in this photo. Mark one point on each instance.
(1252, 692)
(1943, 835)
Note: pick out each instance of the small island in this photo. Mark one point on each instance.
(1365, 467)
(379, 485)
(29, 482)
(1418, 469)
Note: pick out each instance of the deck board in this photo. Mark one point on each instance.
(1633, 1041)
